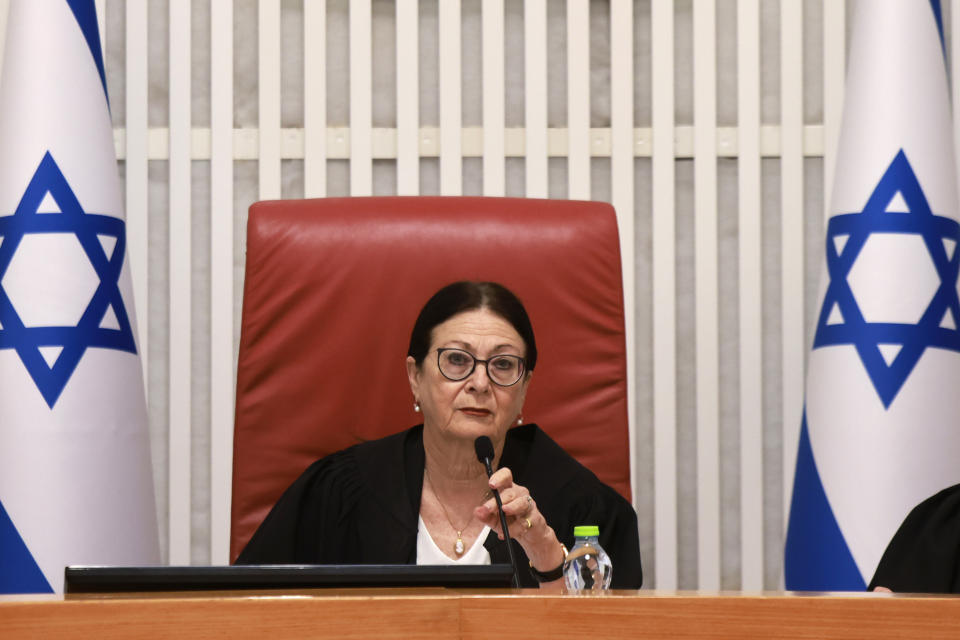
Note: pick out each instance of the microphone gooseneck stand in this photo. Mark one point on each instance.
(484, 449)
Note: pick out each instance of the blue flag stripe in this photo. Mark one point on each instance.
(938, 16)
(19, 572)
(85, 13)
(817, 557)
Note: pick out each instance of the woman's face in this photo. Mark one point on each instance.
(473, 406)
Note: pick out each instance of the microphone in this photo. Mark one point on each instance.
(484, 448)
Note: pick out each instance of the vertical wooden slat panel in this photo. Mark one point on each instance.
(621, 169)
(315, 98)
(136, 168)
(791, 234)
(268, 79)
(180, 284)
(222, 373)
(751, 327)
(578, 99)
(494, 166)
(361, 118)
(834, 63)
(535, 96)
(451, 159)
(707, 306)
(408, 98)
(664, 298)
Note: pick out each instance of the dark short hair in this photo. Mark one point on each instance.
(468, 295)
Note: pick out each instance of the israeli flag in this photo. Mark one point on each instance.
(75, 473)
(881, 429)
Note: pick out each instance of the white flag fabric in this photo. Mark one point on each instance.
(881, 428)
(75, 473)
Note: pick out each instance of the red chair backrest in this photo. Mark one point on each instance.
(333, 287)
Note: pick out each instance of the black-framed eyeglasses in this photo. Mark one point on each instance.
(503, 370)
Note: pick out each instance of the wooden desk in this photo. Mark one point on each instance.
(444, 613)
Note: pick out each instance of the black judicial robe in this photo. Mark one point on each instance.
(361, 505)
(924, 554)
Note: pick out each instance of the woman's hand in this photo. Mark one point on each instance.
(527, 525)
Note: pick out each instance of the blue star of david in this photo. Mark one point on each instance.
(867, 337)
(74, 340)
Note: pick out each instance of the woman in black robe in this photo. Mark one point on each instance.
(924, 554)
(408, 497)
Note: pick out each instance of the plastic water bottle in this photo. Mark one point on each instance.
(587, 567)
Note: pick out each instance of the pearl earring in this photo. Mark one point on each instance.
(519, 420)
(416, 406)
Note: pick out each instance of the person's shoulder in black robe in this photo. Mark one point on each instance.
(924, 554)
(351, 507)
(361, 506)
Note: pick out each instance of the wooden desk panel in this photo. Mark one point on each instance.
(691, 615)
(262, 617)
(476, 615)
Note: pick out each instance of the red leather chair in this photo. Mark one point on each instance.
(333, 287)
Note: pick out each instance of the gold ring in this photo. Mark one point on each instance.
(529, 524)
(529, 499)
